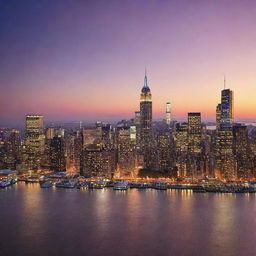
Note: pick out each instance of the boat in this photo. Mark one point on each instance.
(13, 181)
(109, 184)
(134, 185)
(81, 184)
(99, 184)
(121, 185)
(46, 184)
(91, 184)
(32, 179)
(160, 185)
(142, 185)
(66, 184)
(199, 189)
(5, 183)
(22, 178)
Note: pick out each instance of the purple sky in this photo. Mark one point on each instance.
(85, 60)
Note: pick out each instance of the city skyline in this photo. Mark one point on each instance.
(136, 147)
(127, 120)
(113, 119)
(72, 57)
(116, 118)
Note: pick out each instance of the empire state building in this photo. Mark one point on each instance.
(146, 122)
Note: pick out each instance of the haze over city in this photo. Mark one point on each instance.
(85, 60)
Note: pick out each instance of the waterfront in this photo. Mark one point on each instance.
(37, 221)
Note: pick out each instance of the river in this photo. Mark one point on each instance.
(35, 221)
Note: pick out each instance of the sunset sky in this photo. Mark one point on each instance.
(85, 60)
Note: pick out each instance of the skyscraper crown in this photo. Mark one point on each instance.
(145, 88)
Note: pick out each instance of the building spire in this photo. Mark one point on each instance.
(224, 81)
(145, 79)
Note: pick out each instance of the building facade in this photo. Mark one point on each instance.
(146, 134)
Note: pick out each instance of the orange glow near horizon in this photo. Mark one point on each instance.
(96, 70)
(73, 107)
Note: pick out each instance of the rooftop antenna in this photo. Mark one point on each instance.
(224, 81)
(145, 79)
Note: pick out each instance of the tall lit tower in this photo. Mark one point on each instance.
(194, 132)
(168, 113)
(35, 132)
(225, 140)
(227, 109)
(146, 122)
(35, 140)
(57, 154)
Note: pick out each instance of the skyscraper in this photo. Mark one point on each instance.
(224, 143)
(164, 152)
(95, 162)
(125, 151)
(137, 125)
(194, 132)
(57, 154)
(107, 137)
(218, 117)
(35, 140)
(11, 150)
(146, 123)
(242, 151)
(181, 147)
(181, 138)
(50, 133)
(227, 112)
(194, 163)
(168, 113)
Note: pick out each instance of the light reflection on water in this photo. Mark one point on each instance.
(134, 222)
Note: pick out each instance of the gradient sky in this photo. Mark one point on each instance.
(85, 60)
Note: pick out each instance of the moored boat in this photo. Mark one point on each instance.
(121, 185)
(5, 183)
(81, 184)
(199, 189)
(46, 184)
(13, 181)
(99, 184)
(32, 179)
(160, 185)
(66, 184)
(144, 185)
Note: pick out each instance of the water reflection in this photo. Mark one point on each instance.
(101, 208)
(32, 216)
(133, 222)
